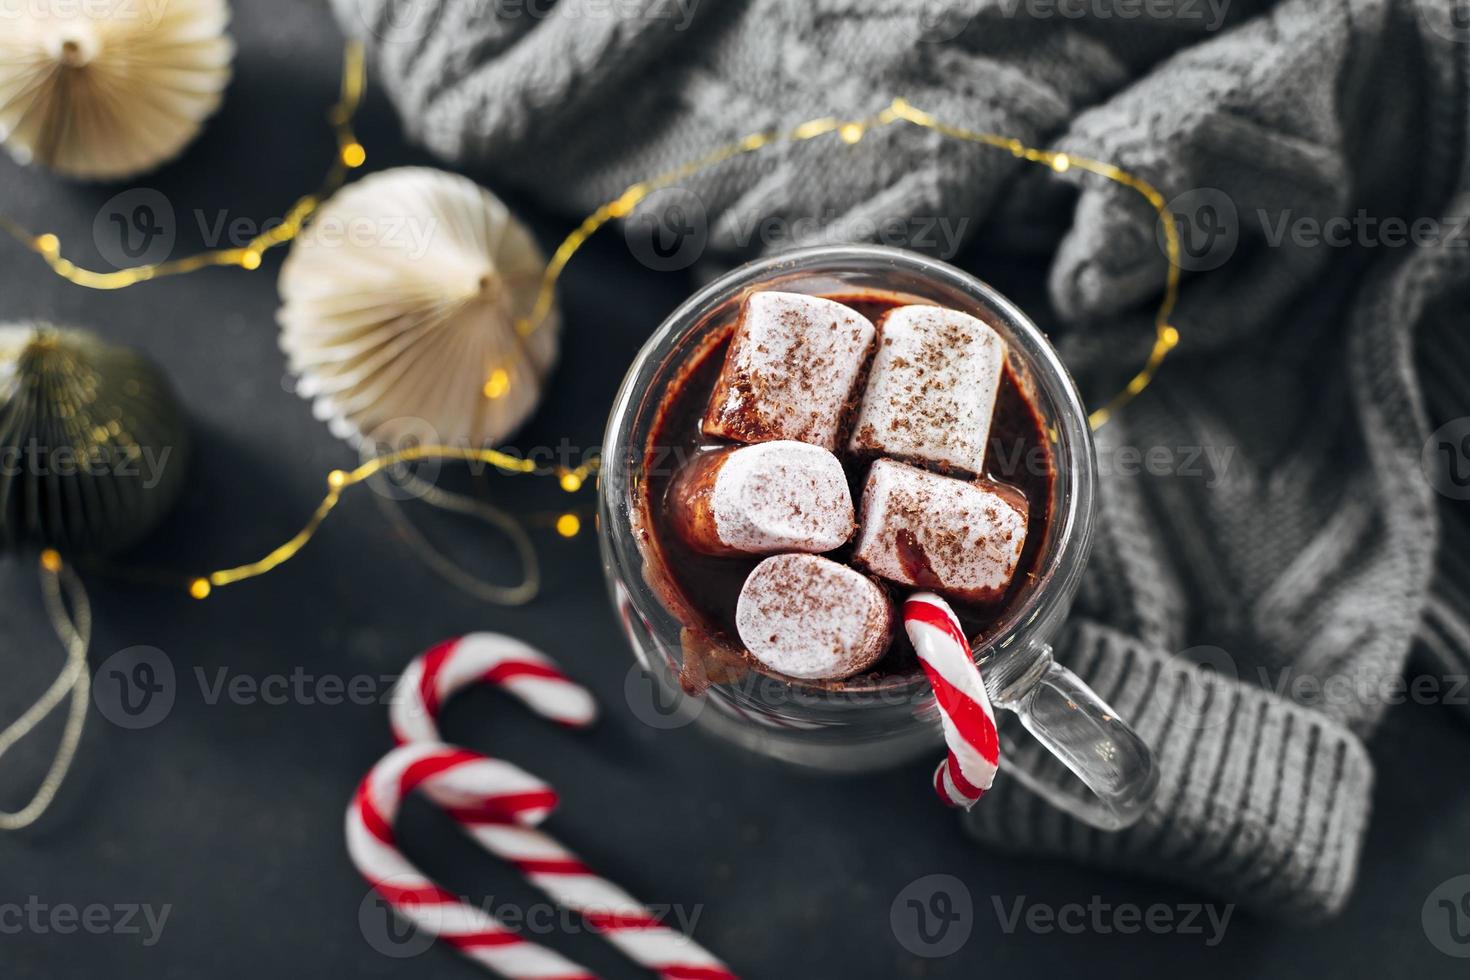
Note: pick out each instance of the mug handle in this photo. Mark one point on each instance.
(1116, 776)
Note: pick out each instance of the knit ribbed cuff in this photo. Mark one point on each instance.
(1261, 802)
(1444, 637)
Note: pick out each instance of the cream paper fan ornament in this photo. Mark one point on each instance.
(400, 306)
(113, 88)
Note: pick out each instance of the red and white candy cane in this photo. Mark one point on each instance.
(965, 714)
(484, 658)
(449, 773)
(499, 807)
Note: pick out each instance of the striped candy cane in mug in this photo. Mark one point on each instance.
(965, 714)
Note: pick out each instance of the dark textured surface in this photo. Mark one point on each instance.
(231, 814)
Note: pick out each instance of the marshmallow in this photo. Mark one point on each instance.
(936, 532)
(790, 370)
(931, 390)
(809, 617)
(773, 496)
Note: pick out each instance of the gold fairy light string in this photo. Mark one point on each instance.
(851, 132)
(1166, 336)
(570, 478)
(351, 155)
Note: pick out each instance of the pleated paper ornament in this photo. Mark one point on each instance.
(404, 309)
(107, 91)
(93, 448)
(93, 445)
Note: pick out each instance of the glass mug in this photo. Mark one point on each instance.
(1080, 756)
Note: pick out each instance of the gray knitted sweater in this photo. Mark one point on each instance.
(1268, 535)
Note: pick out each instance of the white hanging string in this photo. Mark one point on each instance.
(60, 587)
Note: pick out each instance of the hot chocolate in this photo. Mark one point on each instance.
(943, 452)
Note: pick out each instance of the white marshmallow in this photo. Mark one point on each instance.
(937, 532)
(809, 617)
(790, 370)
(931, 390)
(782, 496)
(760, 499)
